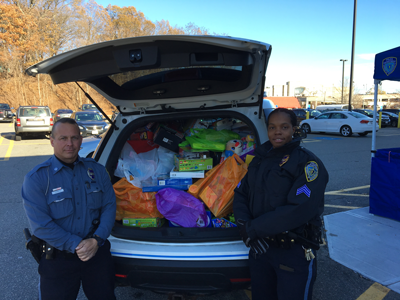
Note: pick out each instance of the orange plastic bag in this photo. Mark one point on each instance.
(217, 188)
(133, 203)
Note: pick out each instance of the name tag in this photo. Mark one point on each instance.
(57, 191)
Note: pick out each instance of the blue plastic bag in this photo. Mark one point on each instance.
(181, 208)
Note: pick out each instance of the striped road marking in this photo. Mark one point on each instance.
(375, 292)
(8, 153)
(343, 191)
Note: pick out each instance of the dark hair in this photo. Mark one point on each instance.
(292, 115)
(63, 121)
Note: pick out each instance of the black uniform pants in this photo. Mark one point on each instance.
(61, 277)
(283, 274)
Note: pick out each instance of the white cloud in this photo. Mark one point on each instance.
(367, 56)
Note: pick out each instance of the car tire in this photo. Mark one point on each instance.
(306, 128)
(18, 137)
(363, 133)
(346, 131)
(394, 123)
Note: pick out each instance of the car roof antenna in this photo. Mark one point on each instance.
(98, 107)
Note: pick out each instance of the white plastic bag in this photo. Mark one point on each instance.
(136, 167)
(165, 162)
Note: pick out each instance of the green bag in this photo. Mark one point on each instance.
(209, 139)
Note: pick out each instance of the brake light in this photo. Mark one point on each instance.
(51, 121)
(364, 121)
(120, 275)
(18, 122)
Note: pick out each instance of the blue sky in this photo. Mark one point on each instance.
(308, 37)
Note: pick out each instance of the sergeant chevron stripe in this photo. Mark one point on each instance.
(304, 189)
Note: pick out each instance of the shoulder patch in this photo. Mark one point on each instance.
(311, 170)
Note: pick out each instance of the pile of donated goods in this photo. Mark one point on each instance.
(182, 174)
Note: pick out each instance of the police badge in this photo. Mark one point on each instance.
(389, 64)
(311, 170)
(90, 173)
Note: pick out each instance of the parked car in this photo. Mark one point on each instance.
(394, 119)
(32, 120)
(5, 112)
(89, 145)
(90, 122)
(301, 114)
(385, 120)
(344, 122)
(392, 110)
(177, 80)
(62, 113)
(88, 107)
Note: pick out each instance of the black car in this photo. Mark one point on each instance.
(301, 114)
(90, 122)
(62, 113)
(5, 112)
(394, 118)
(385, 120)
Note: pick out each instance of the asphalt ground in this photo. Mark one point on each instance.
(348, 161)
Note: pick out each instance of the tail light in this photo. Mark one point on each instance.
(18, 122)
(364, 121)
(51, 121)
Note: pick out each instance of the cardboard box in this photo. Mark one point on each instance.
(188, 174)
(143, 223)
(175, 181)
(196, 164)
(153, 186)
(223, 124)
(168, 138)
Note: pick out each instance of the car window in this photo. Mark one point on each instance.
(315, 113)
(88, 117)
(323, 116)
(33, 112)
(356, 115)
(88, 106)
(65, 111)
(338, 116)
(4, 106)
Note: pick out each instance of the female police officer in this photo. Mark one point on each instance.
(278, 207)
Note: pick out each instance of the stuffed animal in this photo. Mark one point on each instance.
(233, 146)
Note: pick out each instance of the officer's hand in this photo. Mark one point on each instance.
(243, 232)
(86, 249)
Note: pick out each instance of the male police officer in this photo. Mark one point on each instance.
(70, 204)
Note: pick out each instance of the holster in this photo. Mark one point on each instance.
(38, 247)
(308, 235)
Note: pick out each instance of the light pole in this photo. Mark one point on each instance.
(343, 60)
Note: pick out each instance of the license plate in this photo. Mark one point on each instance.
(95, 132)
(34, 123)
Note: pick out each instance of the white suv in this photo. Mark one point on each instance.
(162, 79)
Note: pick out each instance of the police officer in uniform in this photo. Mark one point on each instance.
(277, 208)
(70, 204)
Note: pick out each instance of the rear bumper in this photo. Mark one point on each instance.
(187, 277)
(36, 129)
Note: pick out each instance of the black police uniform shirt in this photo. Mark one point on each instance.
(282, 190)
(61, 202)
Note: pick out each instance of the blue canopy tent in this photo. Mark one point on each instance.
(384, 194)
(385, 69)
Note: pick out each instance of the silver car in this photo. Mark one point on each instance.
(33, 120)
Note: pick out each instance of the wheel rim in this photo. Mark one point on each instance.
(306, 128)
(346, 131)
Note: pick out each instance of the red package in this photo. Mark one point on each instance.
(141, 146)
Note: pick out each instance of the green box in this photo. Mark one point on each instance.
(196, 164)
(143, 223)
